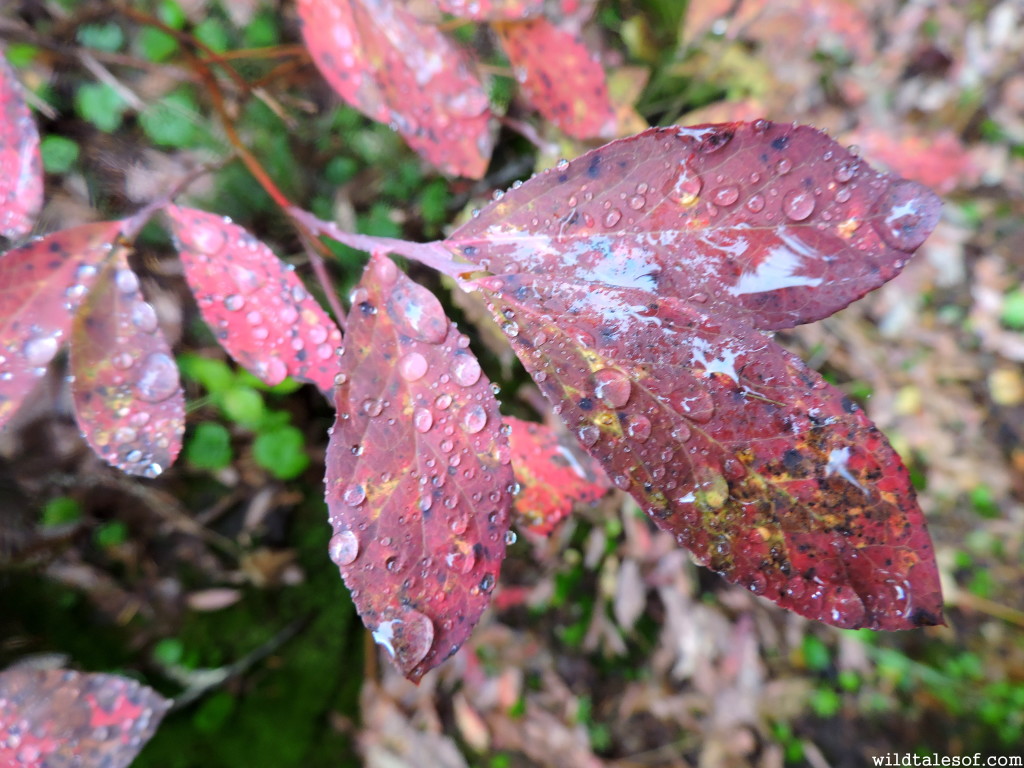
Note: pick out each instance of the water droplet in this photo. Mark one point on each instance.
(158, 378)
(846, 609)
(733, 469)
(354, 495)
(844, 172)
(637, 202)
(234, 302)
(465, 370)
(487, 582)
(588, 434)
(406, 634)
(906, 215)
(621, 482)
(144, 317)
(843, 194)
(510, 538)
(726, 195)
(562, 164)
(798, 204)
(298, 293)
(475, 419)
(681, 433)
(784, 166)
(152, 471)
(343, 548)
(412, 366)
(511, 329)
(126, 280)
(247, 281)
(757, 584)
(272, 371)
(612, 217)
(639, 427)
(443, 402)
(40, 350)
(373, 406)
(385, 270)
(613, 387)
(417, 312)
(755, 203)
(422, 421)
(134, 457)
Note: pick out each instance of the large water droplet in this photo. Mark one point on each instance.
(354, 495)
(144, 317)
(245, 279)
(639, 427)
(784, 166)
(234, 302)
(843, 172)
(272, 371)
(158, 378)
(385, 270)
(798, 204)
(412, 366)
(126, 280)
(407, 635)
(755, 203)
(906, 215)
(726, 195)
(443, 402)
(122, 361)
(612, 217)
(475, 419)
(588, 434)
(845, 608)
(465, 370)
(417, 312)
(40, 350)
(422, 420)
(343, 548)
(613, 387)
(637, 202)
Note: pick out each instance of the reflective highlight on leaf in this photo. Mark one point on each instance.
(559, 75)
(41, 284)
(257, 306)
(21, 169)
(757, 465)
(127, 392)
(774, 224)
(399, 70)
(552, 474)
(418, 473)
(51, 718)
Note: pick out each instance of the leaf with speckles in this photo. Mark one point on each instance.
(21, 171)
(418, 472)
(492, 10)
(553, 475)
(399, 70)
(127, 391)
(255, 303)
(776, 225)
(559, 76)
(54, 717)
(757, 465)
(41, 284)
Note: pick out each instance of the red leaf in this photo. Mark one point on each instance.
(559, 75)
(127, 393)
(399, 70)
(417, 473)
(258, 308)
(491, 10)
(774, 224)
(51, 718)
(21, 174)
(757, 465)
(41, 283)
(552, 474)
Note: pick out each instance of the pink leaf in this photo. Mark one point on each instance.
(127, 393)
(258, 308)
(491, 10)
(399, 70)
(559, 75)
(51, 718)
(21, 174)
(41, 284)
(418, 473)
(775, 224)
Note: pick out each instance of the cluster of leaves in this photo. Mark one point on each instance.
(638, 284)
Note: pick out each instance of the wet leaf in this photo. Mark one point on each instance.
(399, 70)
(491, 10)
(41, 284)
(51, 718)
(776, 225)
(417, 473)
(257, 306)
(559, 76)
(127, 392)
(552, 474)
(757, 465)
(21, 170)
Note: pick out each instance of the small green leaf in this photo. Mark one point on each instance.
(282, 452)
(244, 405)
(61, 511)
(155, 44)
(171, 122)
(212, 33)
(20, 55)
(101, 105)
(1013, 310)
(110, 534)
(340, 170)
(215, 376)
(103, 37)
(209, 447)
(825, 702)
(59, 153)
(171, 14)
(169, 651)
(261, 32)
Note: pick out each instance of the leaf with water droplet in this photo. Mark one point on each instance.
(41, 284)
(752, 217)
(757, 465)
(21, 170)
(51, 717)
(397, 69)
(255, 303)
(126, 389)
(553, 475)
(491, 10)
(559, 76)
(414, 458)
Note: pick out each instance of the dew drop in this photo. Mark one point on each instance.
(681, 433)
(639, 427)
(465, 370)
(726, 195)
(134, 457)
(234, 302)
(406, 634)
(798, 204)
(637, 202)
(844, 172)
(247, 281)
(755, 203)
(40, 350)
(412, 366)
(158, 378)
(843, 194)
(354, 495)
(422, 421)
(373, 406)
(588, 434)
(127, 281)
(144, 317)
(907, 214)
(733, 469)
(343, 548)
(612, 218)
(443, 402)
(846, 609)
(475, 419)
(621, 482)
(417, 312)
(613, 387)
(272, 371)
(784, 166)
